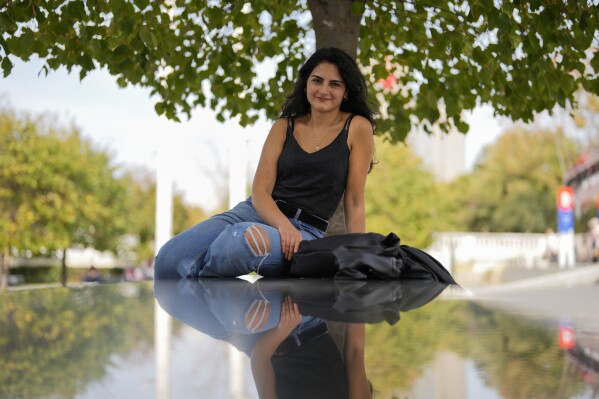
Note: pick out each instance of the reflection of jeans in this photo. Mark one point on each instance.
(218, 247)
(218, 308)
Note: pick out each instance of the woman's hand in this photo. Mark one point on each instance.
(290, 317)
(290, 239)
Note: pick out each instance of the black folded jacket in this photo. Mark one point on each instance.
(363, 256)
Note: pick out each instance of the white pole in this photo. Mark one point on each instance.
(566, 256)
(237, 193)
(164, 227)
(237, 167)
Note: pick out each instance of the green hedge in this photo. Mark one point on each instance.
(51, 274)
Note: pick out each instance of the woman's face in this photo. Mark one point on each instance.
(325, 88)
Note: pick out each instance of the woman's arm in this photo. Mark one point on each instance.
(353, 354)
(262, 352)
(264, 182)
(361, 145)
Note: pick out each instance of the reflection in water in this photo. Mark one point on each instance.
(280, 325)
(96, 342)
(54, 342)
(491, 354)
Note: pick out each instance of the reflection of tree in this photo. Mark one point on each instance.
(54, 342)
(396, 357)
(518, 358)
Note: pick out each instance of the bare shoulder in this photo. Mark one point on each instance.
(280, 126)
(278, 130)
(360, 130)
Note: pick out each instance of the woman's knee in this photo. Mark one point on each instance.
(240, 249)
(165, 263)
(258, 240)
(173, 261)
(242, 240)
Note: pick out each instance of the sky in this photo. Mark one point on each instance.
(123, 122)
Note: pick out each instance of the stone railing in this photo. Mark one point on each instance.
(487, 250)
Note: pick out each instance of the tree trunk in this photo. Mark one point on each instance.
(63, 271)
(4, 268)
(336, 26)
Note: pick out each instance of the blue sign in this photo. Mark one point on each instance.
(565, 220)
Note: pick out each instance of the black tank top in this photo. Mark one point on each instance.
(313, 182)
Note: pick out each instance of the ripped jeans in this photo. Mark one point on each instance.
(229, 244)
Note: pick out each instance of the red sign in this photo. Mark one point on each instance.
(566, 338)
(565, 198)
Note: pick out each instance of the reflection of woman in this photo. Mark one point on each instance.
(292, 355)
(272, 362)
(319, 150)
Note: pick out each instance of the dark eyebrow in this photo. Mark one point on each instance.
(335, 81)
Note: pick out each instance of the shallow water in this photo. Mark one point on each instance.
(423, 340)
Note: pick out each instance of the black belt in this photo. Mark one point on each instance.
(301, 215)
(292, 343)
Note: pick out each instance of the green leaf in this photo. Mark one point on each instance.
(7, 24)
(148, 37)
(358, 7)
(126, 25)
(85, 62)
(75, 10)
(121, 81)
(159, 108)
(462, 126)
(6, 66)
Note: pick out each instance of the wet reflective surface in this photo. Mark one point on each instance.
(423, 340)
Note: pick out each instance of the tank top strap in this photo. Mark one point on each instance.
(345, 130)
(290, 127)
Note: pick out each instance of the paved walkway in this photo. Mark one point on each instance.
(586, 275)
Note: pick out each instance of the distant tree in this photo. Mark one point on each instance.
(141, 198)
(513, 188)
(586, 119)
(56, 190)
(403, 197)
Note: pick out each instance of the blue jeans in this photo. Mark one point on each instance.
(218, 247)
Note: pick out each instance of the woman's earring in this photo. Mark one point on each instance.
(345, 97)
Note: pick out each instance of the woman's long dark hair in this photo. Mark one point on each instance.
(357, 92)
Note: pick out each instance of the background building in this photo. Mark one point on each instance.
(443, 154)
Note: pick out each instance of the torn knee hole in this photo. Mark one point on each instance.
(258, 240)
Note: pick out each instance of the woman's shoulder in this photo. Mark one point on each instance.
(280, 125)
(360, 125)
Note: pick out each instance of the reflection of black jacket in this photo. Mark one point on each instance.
(365, 255)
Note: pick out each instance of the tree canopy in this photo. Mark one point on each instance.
(426, 61)
(56, 188)
(513, 187)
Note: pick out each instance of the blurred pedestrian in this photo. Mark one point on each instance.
(91, 275)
